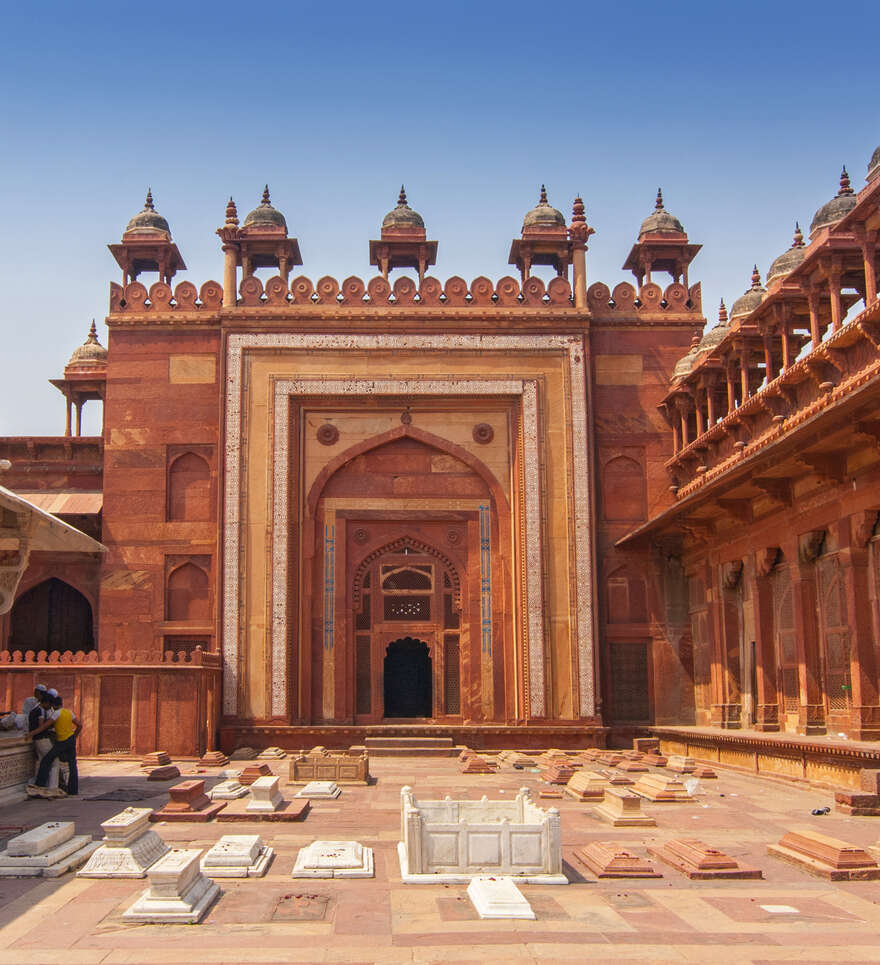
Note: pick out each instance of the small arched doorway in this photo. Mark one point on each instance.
(52, 615)
(408, 679)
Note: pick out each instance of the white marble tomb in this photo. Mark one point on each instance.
(498, 898)
(129, 847)
(46, 851)
(237, 856)
(320, 789)
(229, 790)
(265, 795)
(334, 859)
(178, 892)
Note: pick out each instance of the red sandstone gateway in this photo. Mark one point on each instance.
(506, 514)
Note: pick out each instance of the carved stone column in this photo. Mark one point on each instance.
(767, 696)
(811, 714)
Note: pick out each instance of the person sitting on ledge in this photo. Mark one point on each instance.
(67, 727)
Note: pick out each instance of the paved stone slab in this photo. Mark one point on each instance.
(498, 898)
(287, 811)
(334, 859)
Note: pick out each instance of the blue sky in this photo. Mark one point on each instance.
(743, 113)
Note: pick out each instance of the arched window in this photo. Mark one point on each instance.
(623, 489)
(52, 616)
(187, 596)
(189, 489)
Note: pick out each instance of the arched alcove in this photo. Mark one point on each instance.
(623, 489)
(52, 615)
(189, 489)
(187, 595)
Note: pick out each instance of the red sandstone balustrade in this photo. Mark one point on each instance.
(194, 658)
(650, 298)
(456, 292)
(839, 365)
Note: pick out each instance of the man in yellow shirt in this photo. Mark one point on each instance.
(67, 727)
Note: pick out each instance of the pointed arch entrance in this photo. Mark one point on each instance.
(410, 536)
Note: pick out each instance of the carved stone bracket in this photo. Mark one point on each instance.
(766, 559)
(775, 487)
(810, 545)
(828, 465)
(864, 525)
(739, 509)
(731, 574)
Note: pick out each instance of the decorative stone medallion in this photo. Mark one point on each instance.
(483, 433)
(327, 434)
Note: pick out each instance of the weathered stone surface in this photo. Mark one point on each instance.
(178, 892)
(498, 898)
(237, 856)
(63, 857)
(166, 772)
(661, 788)
(41, 839)
(646, 745)
(607, 859)
(334, 859)
(632, 767)
(559, 772)
(699, 861)
(623, 809)
(320, 789)
(586, 786)
(680, 764)
(237, 812)
(243, 754)
(271, 754)
(477, 765)
(214, 759)
(826, 857)
(131, 861)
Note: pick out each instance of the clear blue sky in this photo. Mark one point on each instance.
(742, 112)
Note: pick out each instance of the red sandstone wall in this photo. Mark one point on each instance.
(163, 403)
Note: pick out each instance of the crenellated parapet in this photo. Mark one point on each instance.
(191, 658)
(650, 297)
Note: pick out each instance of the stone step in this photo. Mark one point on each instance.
(411, 747)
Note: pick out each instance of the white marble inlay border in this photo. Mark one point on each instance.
(237, 344)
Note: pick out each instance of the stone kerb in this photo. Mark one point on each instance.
(452, 841)
(46, 851)
(129, 847)
(178, 892)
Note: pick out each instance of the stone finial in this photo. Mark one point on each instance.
(722, 313)
(798, 241)
(93, 334)
(844, 183)
(579, 230)
(148, 204)
(658, 203)
(401, 198)
(756, 277)
(231, 213)
(266, 196)
(543, 198)
(578, 211)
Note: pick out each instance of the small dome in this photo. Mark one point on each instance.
(874, 165)
(790, 259)
(543, 215)
(747, 303)
(715, 336)
(265, 214)
(91, 352)
(835, 209)
(684, 365)
(660, 220)
(402, 215)
(149, 219)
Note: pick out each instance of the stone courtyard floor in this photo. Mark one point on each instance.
(277, 919)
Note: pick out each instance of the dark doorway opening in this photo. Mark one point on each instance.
(408, 679)
(52, 616)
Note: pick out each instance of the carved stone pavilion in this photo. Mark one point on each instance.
(513, 513)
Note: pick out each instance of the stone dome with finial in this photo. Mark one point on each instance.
(747, 303)
(543, 215)
(684, 365)
(265, 216)
(790, 259)
(840, 205)
(90, 353)
(715, 336)
(874, 165)
(660, 221)
(402, 215)
(148, 221)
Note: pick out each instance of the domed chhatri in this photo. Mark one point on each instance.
(543, 215)
(402, 216)
(148, 221)
(715, 336)
(684, 365)
(874, 165)
(747, 303)
(265, 216)
(660, 221)
(790, 259)
(834, 210)
(90, 354)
